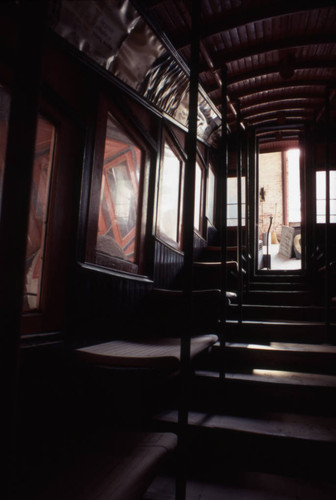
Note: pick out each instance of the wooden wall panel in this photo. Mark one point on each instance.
(168, 264)
(104, 306)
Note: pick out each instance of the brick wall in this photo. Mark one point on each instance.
(270, 178)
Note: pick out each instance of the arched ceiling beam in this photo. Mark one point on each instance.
(286, 103)
(261, 99)
(287, 113)
(264, 121)
(238, 53)
(294, 127)
(257, 89)
(241, 17)
(269, 70)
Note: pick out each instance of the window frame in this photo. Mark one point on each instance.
(211, 169)
(324, 200)
(48, 209)
(200, 228)
(243, 204)
(105, 108)
(60, 227)
(168, 138)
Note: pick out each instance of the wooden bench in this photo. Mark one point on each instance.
(118, 468)
(161, 353)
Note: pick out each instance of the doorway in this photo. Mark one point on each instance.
(279, 209)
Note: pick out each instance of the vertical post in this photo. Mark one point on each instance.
(188, 242)
(327, 223)
(247, 206)
(14, 215)
(239, 202)
(304, 191)
(251, 219)
(223, 174)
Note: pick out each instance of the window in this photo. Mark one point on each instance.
(169, 209)
(293, 183)
(119, 195)
(38, 214)
(210, 196)
(321, 196)
(198, 207)
(115, 199)
(232, 201)
(4, 117)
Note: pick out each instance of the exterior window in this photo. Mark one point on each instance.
(38, 214)
(119, 194)
(210, 199)
(198, 208)
(293, 183)
(169, 200)
(232, 201)
(321, 196)
(4, 117)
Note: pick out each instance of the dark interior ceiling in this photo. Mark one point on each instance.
(280, 58)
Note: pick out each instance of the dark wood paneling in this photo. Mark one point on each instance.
(168, 264)
(199, 244)
(104, 305)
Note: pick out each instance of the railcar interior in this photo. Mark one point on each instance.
(168, 249)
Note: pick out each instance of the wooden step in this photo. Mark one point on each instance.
(269, 441)
(287, 425)
(208, 275)
(213, 253)
(280, 286)
(271, 390)
(281, 356)
(218, 482)
(275, 331)
(275, 312)
(279, 297)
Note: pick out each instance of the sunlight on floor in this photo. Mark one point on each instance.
(279, 262)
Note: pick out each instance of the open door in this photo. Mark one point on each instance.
(279, 211)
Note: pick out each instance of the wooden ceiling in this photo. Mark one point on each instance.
(280, 58)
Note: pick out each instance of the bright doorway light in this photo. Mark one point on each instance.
(294, 192)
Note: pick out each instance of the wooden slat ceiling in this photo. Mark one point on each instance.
(280, 57)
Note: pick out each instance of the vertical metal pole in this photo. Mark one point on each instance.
(239, 225)
(223, 174)
(327, 225)
(252, 209)
(188, 245)
(14, 217)
(247, 206)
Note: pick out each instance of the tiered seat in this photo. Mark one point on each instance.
(120, 468)
(151, 353)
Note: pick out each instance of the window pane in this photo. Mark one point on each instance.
(232, 211)
(198, 197)
(119, 193)
(321, 196)
(332, 207)
(320, 185)
(210, 206)
(232, 222)
(232, 201)
(44, 147)
(294, 192)
(168, 205)
(4, 117)
(332, 184)
(232, 190)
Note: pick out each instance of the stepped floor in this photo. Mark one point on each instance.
(287, 346)
(243, 486)
(288, 425)
(278, 377)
